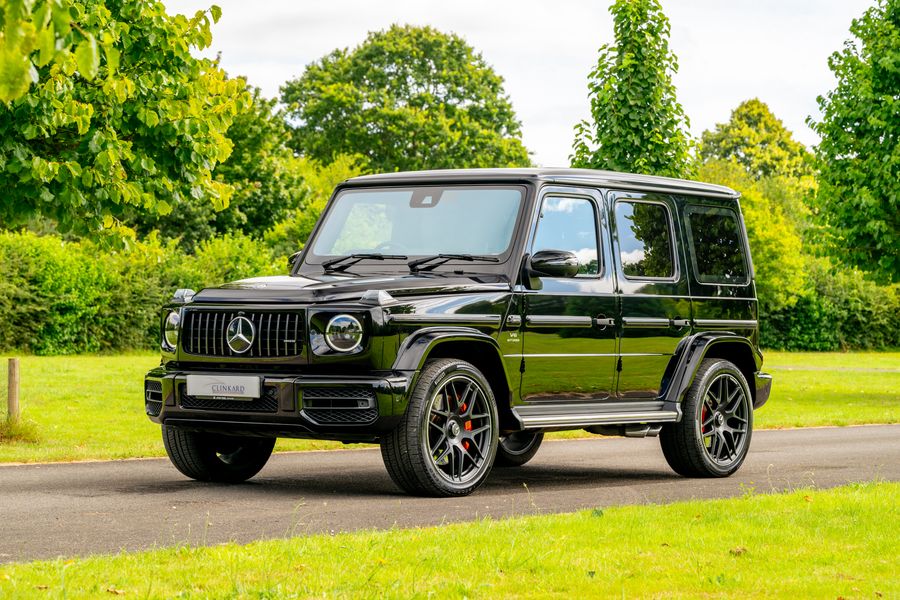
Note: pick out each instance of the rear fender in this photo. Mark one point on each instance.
(691, 352)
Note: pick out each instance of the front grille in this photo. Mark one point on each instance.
(267, 403)
(340, 405)
(277, 334)
(153, 399)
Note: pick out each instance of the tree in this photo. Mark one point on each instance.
(407, 98)
(637, 123)
(859, 155)
(145, 132)
(266, 177)
(34, 34)
(758, 141)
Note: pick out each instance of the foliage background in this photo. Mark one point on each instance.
(131, 168)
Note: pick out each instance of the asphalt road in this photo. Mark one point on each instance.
(85, 508)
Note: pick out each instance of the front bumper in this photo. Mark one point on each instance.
(347, 408)
(763, 387)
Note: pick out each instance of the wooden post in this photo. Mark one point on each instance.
(12, 399)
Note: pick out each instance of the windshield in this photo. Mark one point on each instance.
(420, 221)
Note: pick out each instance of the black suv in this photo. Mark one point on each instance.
(454, 317)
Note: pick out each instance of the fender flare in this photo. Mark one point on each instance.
(690, 353)
(414, 351)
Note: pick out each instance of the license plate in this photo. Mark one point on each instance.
(223, 386)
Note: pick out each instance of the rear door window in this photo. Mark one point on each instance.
(645, 240)
(717, 245)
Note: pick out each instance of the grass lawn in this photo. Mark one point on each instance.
(806, 544)
(91, 407)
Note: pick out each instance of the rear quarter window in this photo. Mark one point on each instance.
(716, 243)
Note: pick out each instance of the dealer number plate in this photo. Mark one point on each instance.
(223, 387)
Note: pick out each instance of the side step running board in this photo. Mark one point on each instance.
(579, 416)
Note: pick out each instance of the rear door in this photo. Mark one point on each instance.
(653, 288)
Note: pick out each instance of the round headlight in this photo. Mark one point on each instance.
(170, 331)
(344, 333)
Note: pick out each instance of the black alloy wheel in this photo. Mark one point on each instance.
(713, 437)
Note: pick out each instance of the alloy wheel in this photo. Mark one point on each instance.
(459, 430)
(724, 420)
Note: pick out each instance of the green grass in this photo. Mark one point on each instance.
(90, 407)
(806, 544)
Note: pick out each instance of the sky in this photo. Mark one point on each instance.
(728, 51)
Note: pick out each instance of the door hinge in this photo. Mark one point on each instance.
(522, 366)
(619, 364)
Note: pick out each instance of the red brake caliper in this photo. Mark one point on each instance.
(467, 425)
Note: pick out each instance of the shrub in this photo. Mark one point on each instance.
(843, 311)
(61, 297)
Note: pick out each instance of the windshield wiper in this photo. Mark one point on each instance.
(428, 263)
(343, 262)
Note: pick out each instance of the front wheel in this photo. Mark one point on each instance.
(713, 436)
(446, 443)
(215, 457)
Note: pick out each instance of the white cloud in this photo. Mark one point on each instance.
(633, 256)
(776, 50)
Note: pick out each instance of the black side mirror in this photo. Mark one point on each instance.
(554, 263)
(292, 259)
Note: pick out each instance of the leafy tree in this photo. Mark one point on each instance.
(859, 155)
(34, 34)
(758, 141)
(146, 131)
(266, 176)
(637, 123)
(407, 98)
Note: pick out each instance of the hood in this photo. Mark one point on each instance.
(340, 287)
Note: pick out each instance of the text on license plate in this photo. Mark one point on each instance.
(223, 386)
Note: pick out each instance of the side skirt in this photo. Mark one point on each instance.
(587, 414)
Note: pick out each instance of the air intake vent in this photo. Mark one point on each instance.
(268, 403)
(153, 399)
(339, 405)
(270, 334)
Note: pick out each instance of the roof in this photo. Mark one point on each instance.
(650, 183)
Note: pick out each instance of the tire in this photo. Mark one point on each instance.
(446, 443)
(516, 449)
(215, 457)
(718, 404)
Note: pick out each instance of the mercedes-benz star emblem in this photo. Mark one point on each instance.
(240, 334)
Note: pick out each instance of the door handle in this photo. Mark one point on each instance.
(604, 322)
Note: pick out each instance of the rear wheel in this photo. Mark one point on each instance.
(446, 443)
(516, 449)
(215, 457)
(714, 434)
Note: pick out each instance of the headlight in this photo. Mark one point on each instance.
(344, 333)
(170, 331)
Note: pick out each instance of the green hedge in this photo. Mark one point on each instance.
(842, 311)
(60, 297)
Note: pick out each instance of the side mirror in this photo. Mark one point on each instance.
(292, 259)
(554, 263)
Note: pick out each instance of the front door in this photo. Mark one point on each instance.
(569, 350)
(655, 302)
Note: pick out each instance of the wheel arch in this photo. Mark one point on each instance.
(463, 343)
(694, 349)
